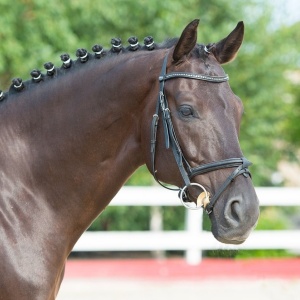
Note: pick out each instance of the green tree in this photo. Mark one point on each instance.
(291, 95)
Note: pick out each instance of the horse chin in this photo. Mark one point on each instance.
(227, 239)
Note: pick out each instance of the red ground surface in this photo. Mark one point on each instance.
(178, 269)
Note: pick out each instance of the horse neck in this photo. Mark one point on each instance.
(82, 135)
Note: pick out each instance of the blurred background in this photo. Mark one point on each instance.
(265, 75)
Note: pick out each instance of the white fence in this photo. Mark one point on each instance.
(193, 239)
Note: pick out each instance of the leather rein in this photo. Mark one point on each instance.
(171, 141)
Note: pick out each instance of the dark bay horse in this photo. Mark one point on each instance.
(70, 138)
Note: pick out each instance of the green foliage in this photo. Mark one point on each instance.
(292, 93)
(137, 218)
(122, 218)
(141, 177)
(292, 125)
(174, 217)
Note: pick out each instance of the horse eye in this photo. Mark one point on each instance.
(186, 111)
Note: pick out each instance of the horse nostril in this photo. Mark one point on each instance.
(233, 213)
(235, 210)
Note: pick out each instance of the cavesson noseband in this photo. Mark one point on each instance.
(171, 141)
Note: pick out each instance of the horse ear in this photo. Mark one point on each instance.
(226, 49)
(187, 41)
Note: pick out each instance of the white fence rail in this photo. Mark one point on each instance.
(193, 239)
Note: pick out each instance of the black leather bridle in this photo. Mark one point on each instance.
(171, 141)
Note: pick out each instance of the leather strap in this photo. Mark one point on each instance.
(222, 164)
(242, 169)
(169, 133)
(194, 76)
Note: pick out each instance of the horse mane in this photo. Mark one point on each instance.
(84, 58)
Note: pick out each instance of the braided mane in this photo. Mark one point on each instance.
(83, 58)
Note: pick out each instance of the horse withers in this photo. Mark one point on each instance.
(71, 137)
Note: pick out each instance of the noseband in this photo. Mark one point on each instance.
(171, 141)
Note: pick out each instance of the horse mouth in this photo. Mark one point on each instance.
(232, 218)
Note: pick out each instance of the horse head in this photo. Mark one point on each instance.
(195, 130)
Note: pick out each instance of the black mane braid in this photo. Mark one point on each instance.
(83, 58)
